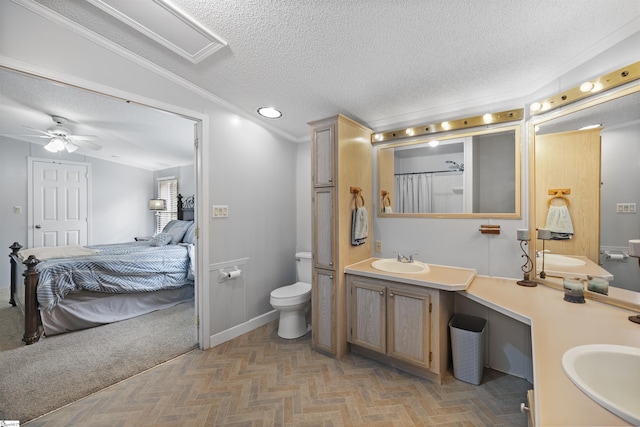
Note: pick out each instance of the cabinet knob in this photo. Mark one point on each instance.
(330, 179)
(391, 294)
(331, 277)
(381, 292)
(331, 264)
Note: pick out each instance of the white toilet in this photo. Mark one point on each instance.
(293, 301)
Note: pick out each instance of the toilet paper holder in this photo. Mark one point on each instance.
(226, 275)
(616, 255)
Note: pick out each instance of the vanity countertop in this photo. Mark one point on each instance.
(438, 276)
(557, 326)
(590, 268)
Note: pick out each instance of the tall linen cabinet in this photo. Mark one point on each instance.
(341, 156)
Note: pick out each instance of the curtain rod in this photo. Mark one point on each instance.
(418, 173)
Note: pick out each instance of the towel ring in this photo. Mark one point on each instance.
(558, 193)
(566, 201)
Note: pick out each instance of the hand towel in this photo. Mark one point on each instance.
(359, 226)
(387, 209)
(559, 223)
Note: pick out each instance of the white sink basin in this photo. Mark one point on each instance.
(608, 374)
(565, 261)
(392, 265)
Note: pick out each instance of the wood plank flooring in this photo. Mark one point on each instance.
(259, 379)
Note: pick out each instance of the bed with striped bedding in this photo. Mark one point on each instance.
(71, 288)
(122, 268)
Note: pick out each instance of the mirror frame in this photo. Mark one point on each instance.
(517, 128)
(617, 296)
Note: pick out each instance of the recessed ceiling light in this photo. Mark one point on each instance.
(269, 112)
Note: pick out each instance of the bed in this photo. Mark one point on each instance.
(74, 287)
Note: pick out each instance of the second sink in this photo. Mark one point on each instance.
(608, 374)
(392, 265)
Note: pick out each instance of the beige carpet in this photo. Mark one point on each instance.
(61, 369)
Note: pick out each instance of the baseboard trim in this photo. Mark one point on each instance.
(243, 328)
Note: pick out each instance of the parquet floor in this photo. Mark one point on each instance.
(259, 379)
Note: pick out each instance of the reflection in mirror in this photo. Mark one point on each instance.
(462, 175)
(601, 167)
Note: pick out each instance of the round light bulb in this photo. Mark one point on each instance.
(269, 112)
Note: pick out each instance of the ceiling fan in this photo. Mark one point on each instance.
(60, 137)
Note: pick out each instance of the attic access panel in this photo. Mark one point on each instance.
(166, 24)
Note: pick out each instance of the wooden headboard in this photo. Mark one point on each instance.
(185, 208)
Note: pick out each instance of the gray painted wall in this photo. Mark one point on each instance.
(303, 197)
(119, 202)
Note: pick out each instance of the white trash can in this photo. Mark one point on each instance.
(467, 347)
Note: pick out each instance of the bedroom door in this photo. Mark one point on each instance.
(59, 203)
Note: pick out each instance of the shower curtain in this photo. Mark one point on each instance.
(413, 193)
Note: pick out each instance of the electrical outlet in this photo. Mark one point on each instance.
(378, 248)
(17, 209)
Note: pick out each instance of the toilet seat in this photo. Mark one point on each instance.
(292, 294)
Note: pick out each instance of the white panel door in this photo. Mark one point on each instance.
(59, 204)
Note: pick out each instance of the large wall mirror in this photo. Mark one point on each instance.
(600, 166)
(462, 175)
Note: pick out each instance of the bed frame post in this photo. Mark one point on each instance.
(32, 321)
(15, 248)
(179, 205)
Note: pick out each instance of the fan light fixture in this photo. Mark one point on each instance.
(59, 143)
(270, 112)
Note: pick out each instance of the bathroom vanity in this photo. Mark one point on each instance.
(402, 318)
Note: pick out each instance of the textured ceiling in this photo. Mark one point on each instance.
(384, 63)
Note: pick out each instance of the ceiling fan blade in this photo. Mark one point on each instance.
(82, 137)
(39, 131)
(87, 144)
(32, 136)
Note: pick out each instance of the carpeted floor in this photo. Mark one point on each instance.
(61, 369)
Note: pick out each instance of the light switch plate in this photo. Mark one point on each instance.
(220, 211)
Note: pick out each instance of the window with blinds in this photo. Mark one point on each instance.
(167, 190)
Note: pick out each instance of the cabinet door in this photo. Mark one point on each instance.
(323, 231)
(323, 150)
(368, 316)
(409, 323)
(323, 311)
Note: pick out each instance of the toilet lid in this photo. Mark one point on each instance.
(298, 288)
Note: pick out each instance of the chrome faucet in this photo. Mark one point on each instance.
(404, 259)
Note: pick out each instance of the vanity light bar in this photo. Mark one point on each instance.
(588, 88)
(469, 122)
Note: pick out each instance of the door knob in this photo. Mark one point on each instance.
(38, 226)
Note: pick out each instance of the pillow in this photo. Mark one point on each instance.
(190, 235)
(176, 228)
(160, 239)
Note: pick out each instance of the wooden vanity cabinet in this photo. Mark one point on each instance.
(341, 158)
(399, 324)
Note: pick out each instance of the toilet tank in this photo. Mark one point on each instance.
(303, 265)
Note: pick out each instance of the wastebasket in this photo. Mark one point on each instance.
(467, 347)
